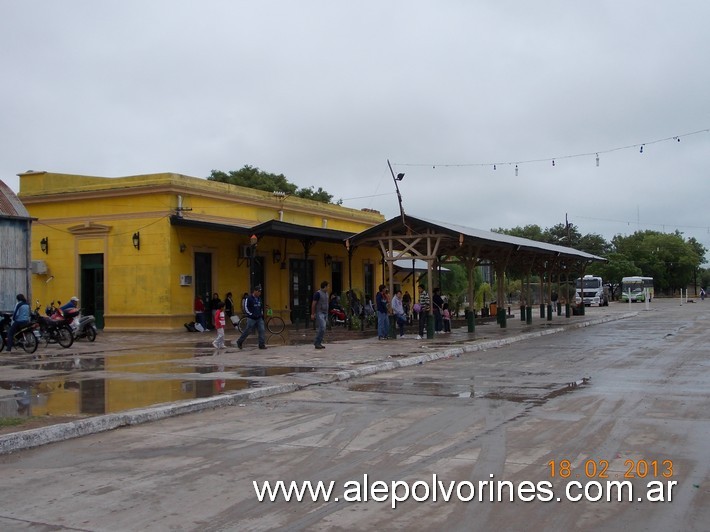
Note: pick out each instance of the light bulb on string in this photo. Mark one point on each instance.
(516, 170)
(494, 167)
(553, 162)
(597, 159)
(641, 150)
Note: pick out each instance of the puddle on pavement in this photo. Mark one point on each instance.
(89, 385)
(416, 387)
(518, 396)
(465, 390)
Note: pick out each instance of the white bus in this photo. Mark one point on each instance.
(636, 288)
(592, 291)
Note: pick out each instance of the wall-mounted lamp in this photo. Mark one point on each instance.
(44, 244)
(137, 240)
(276, 256)
(183, 247)
(327, 259)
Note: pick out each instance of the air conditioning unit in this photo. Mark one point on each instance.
(39, 267)
(245, 251)
(185, 280)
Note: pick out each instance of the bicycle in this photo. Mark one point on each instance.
(273, 324)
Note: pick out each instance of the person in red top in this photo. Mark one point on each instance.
(219, 322)
(200, 312)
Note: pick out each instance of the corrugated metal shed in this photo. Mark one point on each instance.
(15, 248)
(10, 204)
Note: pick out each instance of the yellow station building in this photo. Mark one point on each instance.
(137, 250)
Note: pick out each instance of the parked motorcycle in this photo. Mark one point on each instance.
(84, 327)
(336, 315)
(55, 328)
(26, 337)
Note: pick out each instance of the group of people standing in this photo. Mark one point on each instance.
(399, 306)
(205, 313)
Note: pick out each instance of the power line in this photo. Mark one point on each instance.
(638, 223)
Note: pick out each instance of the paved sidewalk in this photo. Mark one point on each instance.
(347, 355)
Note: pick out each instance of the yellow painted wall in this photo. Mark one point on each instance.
(86, 215)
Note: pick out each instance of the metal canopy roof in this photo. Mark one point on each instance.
(430, 239)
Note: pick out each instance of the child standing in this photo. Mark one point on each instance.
(219, 322)
(446, 316)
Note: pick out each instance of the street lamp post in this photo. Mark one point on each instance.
(396, 180)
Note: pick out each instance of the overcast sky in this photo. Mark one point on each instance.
(325, 92)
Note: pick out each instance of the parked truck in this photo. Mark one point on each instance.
(592, 291)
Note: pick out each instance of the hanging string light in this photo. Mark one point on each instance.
(553, 160)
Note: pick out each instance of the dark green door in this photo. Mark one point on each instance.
(203, 276)
(301, 289)
(91, 297)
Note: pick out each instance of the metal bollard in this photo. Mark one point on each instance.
(430, 327)
(502, 318)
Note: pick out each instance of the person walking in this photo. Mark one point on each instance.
(398, 311)
(20, 319)
(219, 323)
(424, 307)
(253, 310)
(319, 313)
(381, 301)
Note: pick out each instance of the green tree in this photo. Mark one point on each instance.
(563, 235)
(667, 257)
(531, 232)
(252, 177)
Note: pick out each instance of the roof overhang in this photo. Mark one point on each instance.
(273, 228)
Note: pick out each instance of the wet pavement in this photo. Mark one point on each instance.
(127, 378)
(613, 396)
